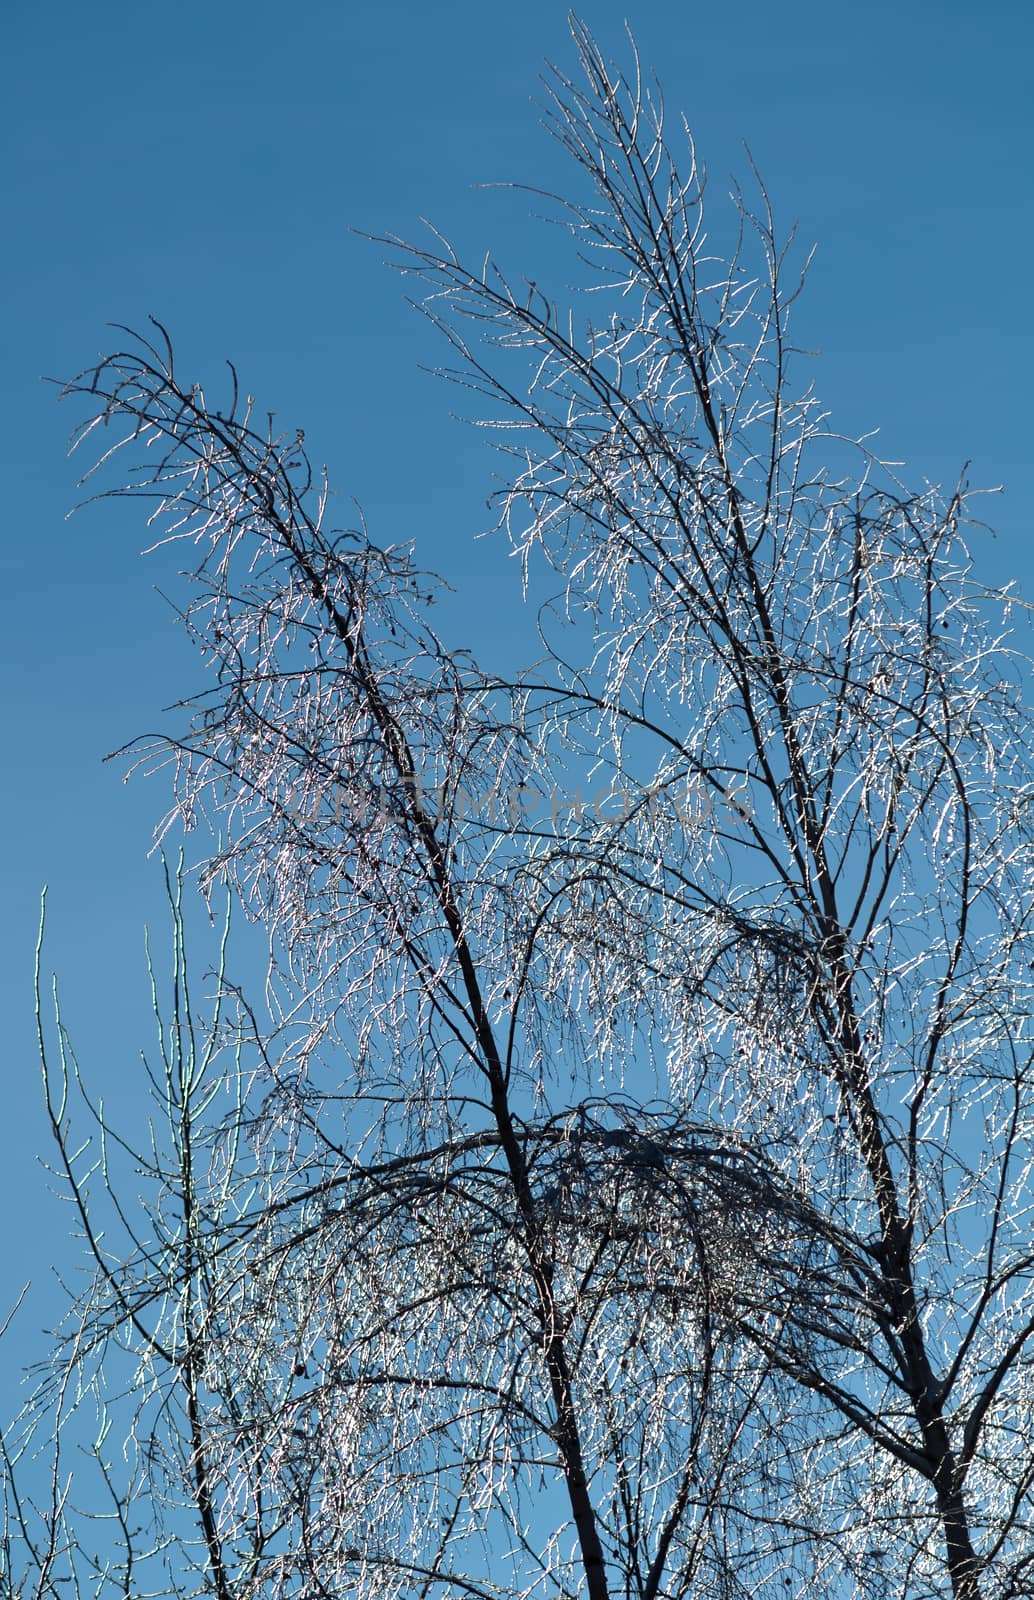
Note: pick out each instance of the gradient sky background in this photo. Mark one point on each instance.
(206, 162)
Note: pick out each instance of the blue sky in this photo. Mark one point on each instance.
(207, 164)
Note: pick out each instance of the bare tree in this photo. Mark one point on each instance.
(629, 1198)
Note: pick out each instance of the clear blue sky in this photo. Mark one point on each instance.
(206, 163)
